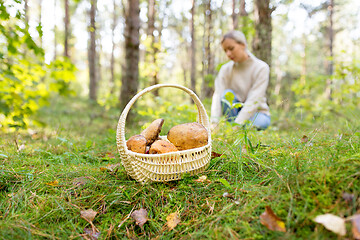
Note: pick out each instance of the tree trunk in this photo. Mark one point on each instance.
(262, 40)
(55, 40)
(207, 91)
(112, 59)
(193, 49)
(244, 20)
(66, 26)
(235, 15)
(130, 78)
(92, 53)
(261, 45)
(153, 48)
(330, 70)
(151, 18)
(243, 8)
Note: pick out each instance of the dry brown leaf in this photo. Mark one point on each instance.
(356, 226)
(88, 215)
(271, 221)
(333, 223)
(140, 216)
(53, 183)
(348, 197)
(90, 234)
(215, 154)
(109, 167)
(172, 220)
(304, 139)
(80, 181)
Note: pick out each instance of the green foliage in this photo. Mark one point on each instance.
(209, 80)
(26, 82)
(311, 100)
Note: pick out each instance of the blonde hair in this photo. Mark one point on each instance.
(238, 36)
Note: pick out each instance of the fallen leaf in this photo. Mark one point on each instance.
(109, 167)
(224, 182)
(88, 215)
(333, 223)
(348, 197)
(202, 179)
(215, 154)
(271, 221)
(90, 234)
(53, 183)
(172, 220)
(228, 195)
(140, 216)
(80, 181)
(304, 139)
(355, 220)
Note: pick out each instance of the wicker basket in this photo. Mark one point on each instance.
(167, 166)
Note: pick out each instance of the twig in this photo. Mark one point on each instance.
(127, 217)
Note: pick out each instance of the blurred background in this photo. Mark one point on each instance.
(106, 51)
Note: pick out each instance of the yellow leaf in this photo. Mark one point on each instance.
(53, 183)
(172, 220)
(271, 221)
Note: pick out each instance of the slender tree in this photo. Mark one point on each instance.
(112, 58)
(330, 63)
(208, 65)
(66, 27)
(55, 35)
(261, 45)
(130, 76)
(235, 15)
(153, 46)
(193, 48)
(92, 53)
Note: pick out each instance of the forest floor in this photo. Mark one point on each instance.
(53, 179)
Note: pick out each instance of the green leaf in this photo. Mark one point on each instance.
(224, 182)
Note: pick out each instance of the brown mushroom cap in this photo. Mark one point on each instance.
(162, 146)
(188, 135)
(137, 143)
(151, 133)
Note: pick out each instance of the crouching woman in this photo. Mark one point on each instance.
(247, 78)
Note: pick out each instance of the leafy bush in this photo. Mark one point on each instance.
(310, 97)
(26, 82)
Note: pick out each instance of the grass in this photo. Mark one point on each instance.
(50, 174)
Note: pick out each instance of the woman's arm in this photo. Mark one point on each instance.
(255, 96)
(216, 99)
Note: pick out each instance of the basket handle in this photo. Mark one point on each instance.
(202, 116)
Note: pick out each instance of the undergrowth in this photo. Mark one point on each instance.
(50, 173)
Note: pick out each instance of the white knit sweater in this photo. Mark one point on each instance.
(249, 81)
